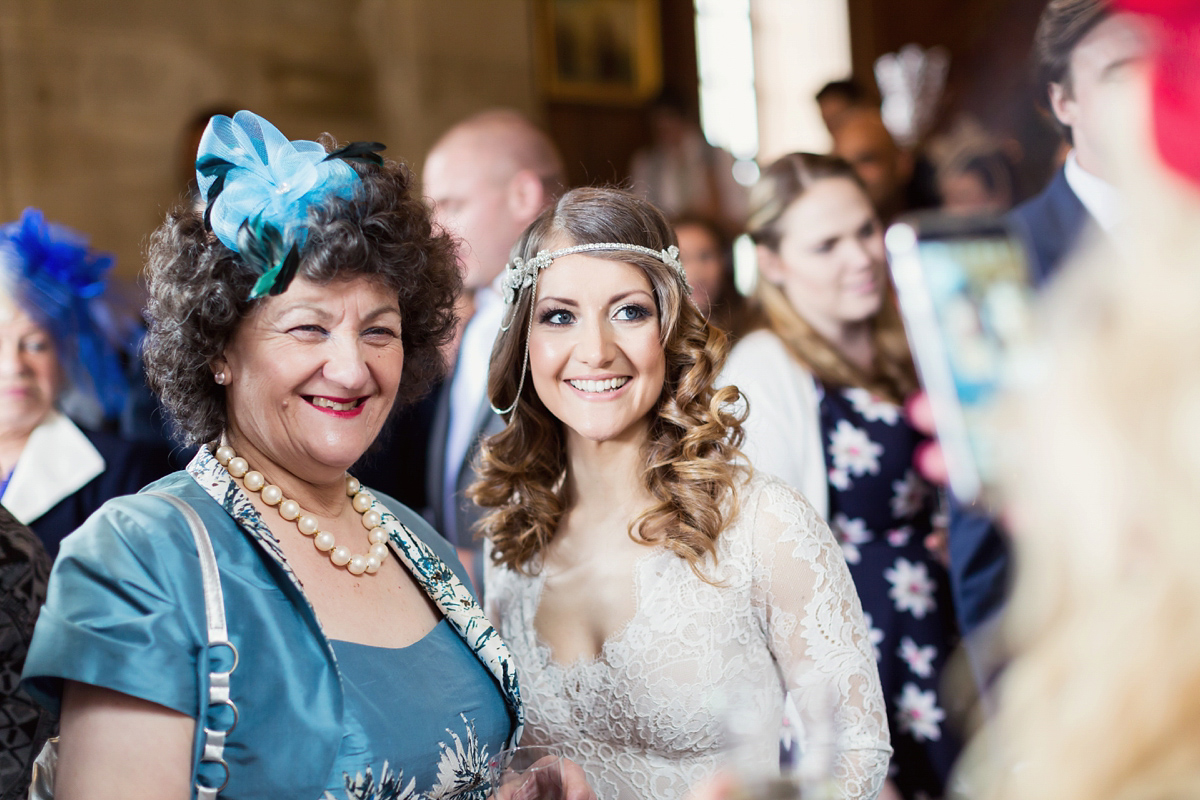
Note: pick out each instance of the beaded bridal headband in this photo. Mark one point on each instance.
(521, 273)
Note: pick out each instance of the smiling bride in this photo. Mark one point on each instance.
(641, 574)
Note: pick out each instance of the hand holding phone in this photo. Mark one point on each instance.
(964, 292)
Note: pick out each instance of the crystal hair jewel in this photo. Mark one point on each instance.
(520, 273)
(259, 187)
(58, 280)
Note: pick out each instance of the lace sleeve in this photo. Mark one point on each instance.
(817, 633)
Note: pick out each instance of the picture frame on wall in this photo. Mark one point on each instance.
(599, 51)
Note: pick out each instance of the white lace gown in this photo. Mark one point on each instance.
(645, 719)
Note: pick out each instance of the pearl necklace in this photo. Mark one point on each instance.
(340, 555)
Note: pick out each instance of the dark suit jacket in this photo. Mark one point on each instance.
(486, 423)
(128, 466)
(396, 463)
(1050, 224)
(24, 725)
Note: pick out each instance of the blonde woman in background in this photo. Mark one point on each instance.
(824, 380)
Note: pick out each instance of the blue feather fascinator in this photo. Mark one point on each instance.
(259, 188)
(56, 278)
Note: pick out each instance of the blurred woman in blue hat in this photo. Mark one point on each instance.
(53, 474)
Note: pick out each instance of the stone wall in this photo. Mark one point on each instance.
(95, 94)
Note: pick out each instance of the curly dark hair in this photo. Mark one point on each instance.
(691, 456)
(199, 289)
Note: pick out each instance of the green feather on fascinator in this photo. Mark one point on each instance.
(260, 186)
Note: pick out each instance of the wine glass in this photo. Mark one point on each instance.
(526, 773)
(806, 746)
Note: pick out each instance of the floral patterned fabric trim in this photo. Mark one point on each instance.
(432, 574)
(461, 775)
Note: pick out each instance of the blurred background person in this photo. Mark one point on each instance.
(681, 173)
(53, 474)
(1086, 52)
(1102, 482)
(976, 174)
(707, 256)
(836, 98)
(488, 177)
(893, 178)
(978, 183)
(824, 381)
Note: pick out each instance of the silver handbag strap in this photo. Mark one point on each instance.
(218, 636)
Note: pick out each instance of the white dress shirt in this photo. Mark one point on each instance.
(468, 389)
(1101, 199)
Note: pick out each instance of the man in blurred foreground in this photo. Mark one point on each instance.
(1086, 49)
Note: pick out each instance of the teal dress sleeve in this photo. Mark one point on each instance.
(124, 609)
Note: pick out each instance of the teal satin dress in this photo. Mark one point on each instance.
(125, 612)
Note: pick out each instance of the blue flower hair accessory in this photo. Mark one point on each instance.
(259, 187)
(56, 278)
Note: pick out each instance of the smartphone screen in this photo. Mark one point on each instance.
(964, 291)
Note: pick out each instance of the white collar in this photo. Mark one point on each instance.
(1101, 199)
(486, 317)
(493, 291)
(488, 297)
(58, 460)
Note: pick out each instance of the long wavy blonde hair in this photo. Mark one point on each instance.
(892, 375)
(690, 466)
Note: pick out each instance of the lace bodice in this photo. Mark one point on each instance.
(645, 718)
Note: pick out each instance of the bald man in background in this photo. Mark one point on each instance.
(488, 177)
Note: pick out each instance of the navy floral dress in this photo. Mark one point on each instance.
(881, 511)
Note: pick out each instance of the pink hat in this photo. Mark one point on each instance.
(1176, 80)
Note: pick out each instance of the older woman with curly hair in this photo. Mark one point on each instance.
(286, 323)
(653, 589)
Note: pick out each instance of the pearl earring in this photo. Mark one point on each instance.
(219, 378)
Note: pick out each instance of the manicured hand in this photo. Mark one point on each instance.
(569, 783)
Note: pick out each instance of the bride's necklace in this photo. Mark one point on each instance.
(340, 555)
